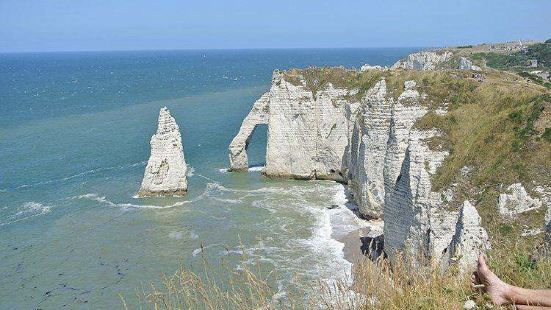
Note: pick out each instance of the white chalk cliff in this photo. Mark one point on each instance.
(165, 173)
(307, 131)
(427, 60)
(370, 143)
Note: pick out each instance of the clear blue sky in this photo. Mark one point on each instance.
(68, 25)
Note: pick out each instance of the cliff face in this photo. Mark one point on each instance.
(387, 133)
(370, 144)
(428, 60)
(308, 131)
(165, 173)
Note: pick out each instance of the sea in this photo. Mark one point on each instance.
(74, 141)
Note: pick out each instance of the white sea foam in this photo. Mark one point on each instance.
(230, 201)
(258, 168)
(26, 211)
(104, 200)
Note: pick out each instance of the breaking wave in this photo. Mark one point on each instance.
(104, 200)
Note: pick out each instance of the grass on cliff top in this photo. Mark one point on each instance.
(375, 286)
(315, 79)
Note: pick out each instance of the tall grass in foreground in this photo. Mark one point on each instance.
(376, 286)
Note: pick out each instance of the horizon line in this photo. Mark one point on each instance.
(213, 49)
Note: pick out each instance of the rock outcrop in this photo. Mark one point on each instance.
(307, 131)
(238, 148)
(378, 144)
(466, 64)
(428, 60)
(367, 67)
(165, 173)
(516, 200)
(470, 238)
(368, 148)
(411, 207)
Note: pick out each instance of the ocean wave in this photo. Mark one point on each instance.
(104, 200)
(257, 168)
(26, 211)
(254, 168)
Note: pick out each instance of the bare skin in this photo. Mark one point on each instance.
(502, 293)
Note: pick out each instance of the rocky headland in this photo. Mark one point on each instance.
(427, 146)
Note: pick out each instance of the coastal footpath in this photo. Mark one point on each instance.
(446, 150)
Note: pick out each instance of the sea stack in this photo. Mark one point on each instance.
(165, 174)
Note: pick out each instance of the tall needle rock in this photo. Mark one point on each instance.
(166, 169)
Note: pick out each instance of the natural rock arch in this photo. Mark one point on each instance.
(258, 115)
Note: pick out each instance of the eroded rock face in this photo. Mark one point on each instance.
(373, 146)
(307, 131)
(467, 64)
(428, 60)
(409, 207)
(258, 115)
(470, 239)
(548, 225)
(516, 200)
(367, 67)
(165, 173)
(369, 141)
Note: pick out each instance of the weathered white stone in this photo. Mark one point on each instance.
(373, 146)
(307, 132)
(516, 200)
(466, 64)
(409, 206)
(369, 147)
(367, 67)
(470, 239)
(428, 60)
(258, 115)
(165, 173)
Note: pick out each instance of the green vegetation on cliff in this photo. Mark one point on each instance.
(498, 126)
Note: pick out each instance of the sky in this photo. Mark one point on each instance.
(82, 25)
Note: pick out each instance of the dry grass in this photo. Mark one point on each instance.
(377, 285)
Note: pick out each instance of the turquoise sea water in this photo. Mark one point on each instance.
(74, 140)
